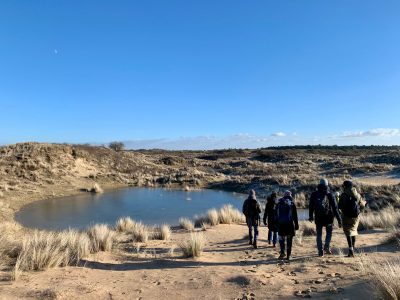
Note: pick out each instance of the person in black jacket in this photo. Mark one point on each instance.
(252, 209)
(323, 209)
(269, 219)
(287, 223)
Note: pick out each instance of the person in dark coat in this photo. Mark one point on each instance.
(269, 218)
(323, 209)
(287, 223)
(252, 209)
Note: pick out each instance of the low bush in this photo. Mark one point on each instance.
(230, 215)
(162, 232)
(385, 277)
(307, 228)
(101, 238)
(194, 246)
(186, 224)
(387, 218)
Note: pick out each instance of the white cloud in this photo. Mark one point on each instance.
(378, 132)
(378, 136)
(279, 134)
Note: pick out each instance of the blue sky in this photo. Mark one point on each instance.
(200, 74)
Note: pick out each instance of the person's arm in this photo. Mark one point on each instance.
(244, 208)
(295, 218)
(360, 199)
(311, 208)
(265, 214)
(335, 209)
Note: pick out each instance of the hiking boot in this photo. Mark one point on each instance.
(255, 245)
(282, 256)
(288, 258)
(328, 251)
(250, 242)
(321, 254)
(274, 245)
(269, 242)
(351, 253)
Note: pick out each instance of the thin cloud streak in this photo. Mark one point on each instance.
(378, 136)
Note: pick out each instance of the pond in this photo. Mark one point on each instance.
(149, 205)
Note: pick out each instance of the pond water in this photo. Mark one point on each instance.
(149, 205)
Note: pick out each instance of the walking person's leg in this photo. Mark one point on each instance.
(255, 236)
(319, 240)
(328, 238)
(282, 246)
(275, 238)
(289, 246)
(270, 236)
(353, 241)
(250, 225)
(351, 247)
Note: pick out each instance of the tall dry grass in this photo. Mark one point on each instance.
(213, 217)
(194, 246)
(101, 237)
(186, 224)
(139, 231)
(387, 218)
(230, 215)
(42, 250)
(385, 277)
(162, 232)
(307, 228)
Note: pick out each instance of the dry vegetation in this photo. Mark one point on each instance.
(384, 276)
(186, 224)
(194, 246)
(387, 218)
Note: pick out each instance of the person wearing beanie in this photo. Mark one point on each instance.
(323, 209)
(269, 218)
(350, 204)
(252, 209)
(287, 223)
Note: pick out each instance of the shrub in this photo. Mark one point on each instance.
(42, 250)
(125, 224)
(140, 232)
(162, 232)
(307, 228)
(385, 277)
(96, 189)
(116, 146)
(228, 215)
(386, 218)
(194, 246)
(212, 217)
(187, 224)
(101, 237)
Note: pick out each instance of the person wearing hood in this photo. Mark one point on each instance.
(350, 204)
(269, 218)
(252, 209)
(323, 209)
(287, 223)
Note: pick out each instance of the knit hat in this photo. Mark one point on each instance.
(252, 193)
(348, 183)
(288, 193)
(324, 182)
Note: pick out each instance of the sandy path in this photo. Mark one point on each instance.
(229, 269)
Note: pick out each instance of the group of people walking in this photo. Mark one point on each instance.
(280, 215)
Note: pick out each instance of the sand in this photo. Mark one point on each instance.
(228, 269)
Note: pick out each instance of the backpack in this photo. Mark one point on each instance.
(284, 212)
(350, 206)
(323, 206)
(251, 209)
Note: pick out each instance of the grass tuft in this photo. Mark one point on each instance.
(186, 224)
(194, 246)
(101, 237)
